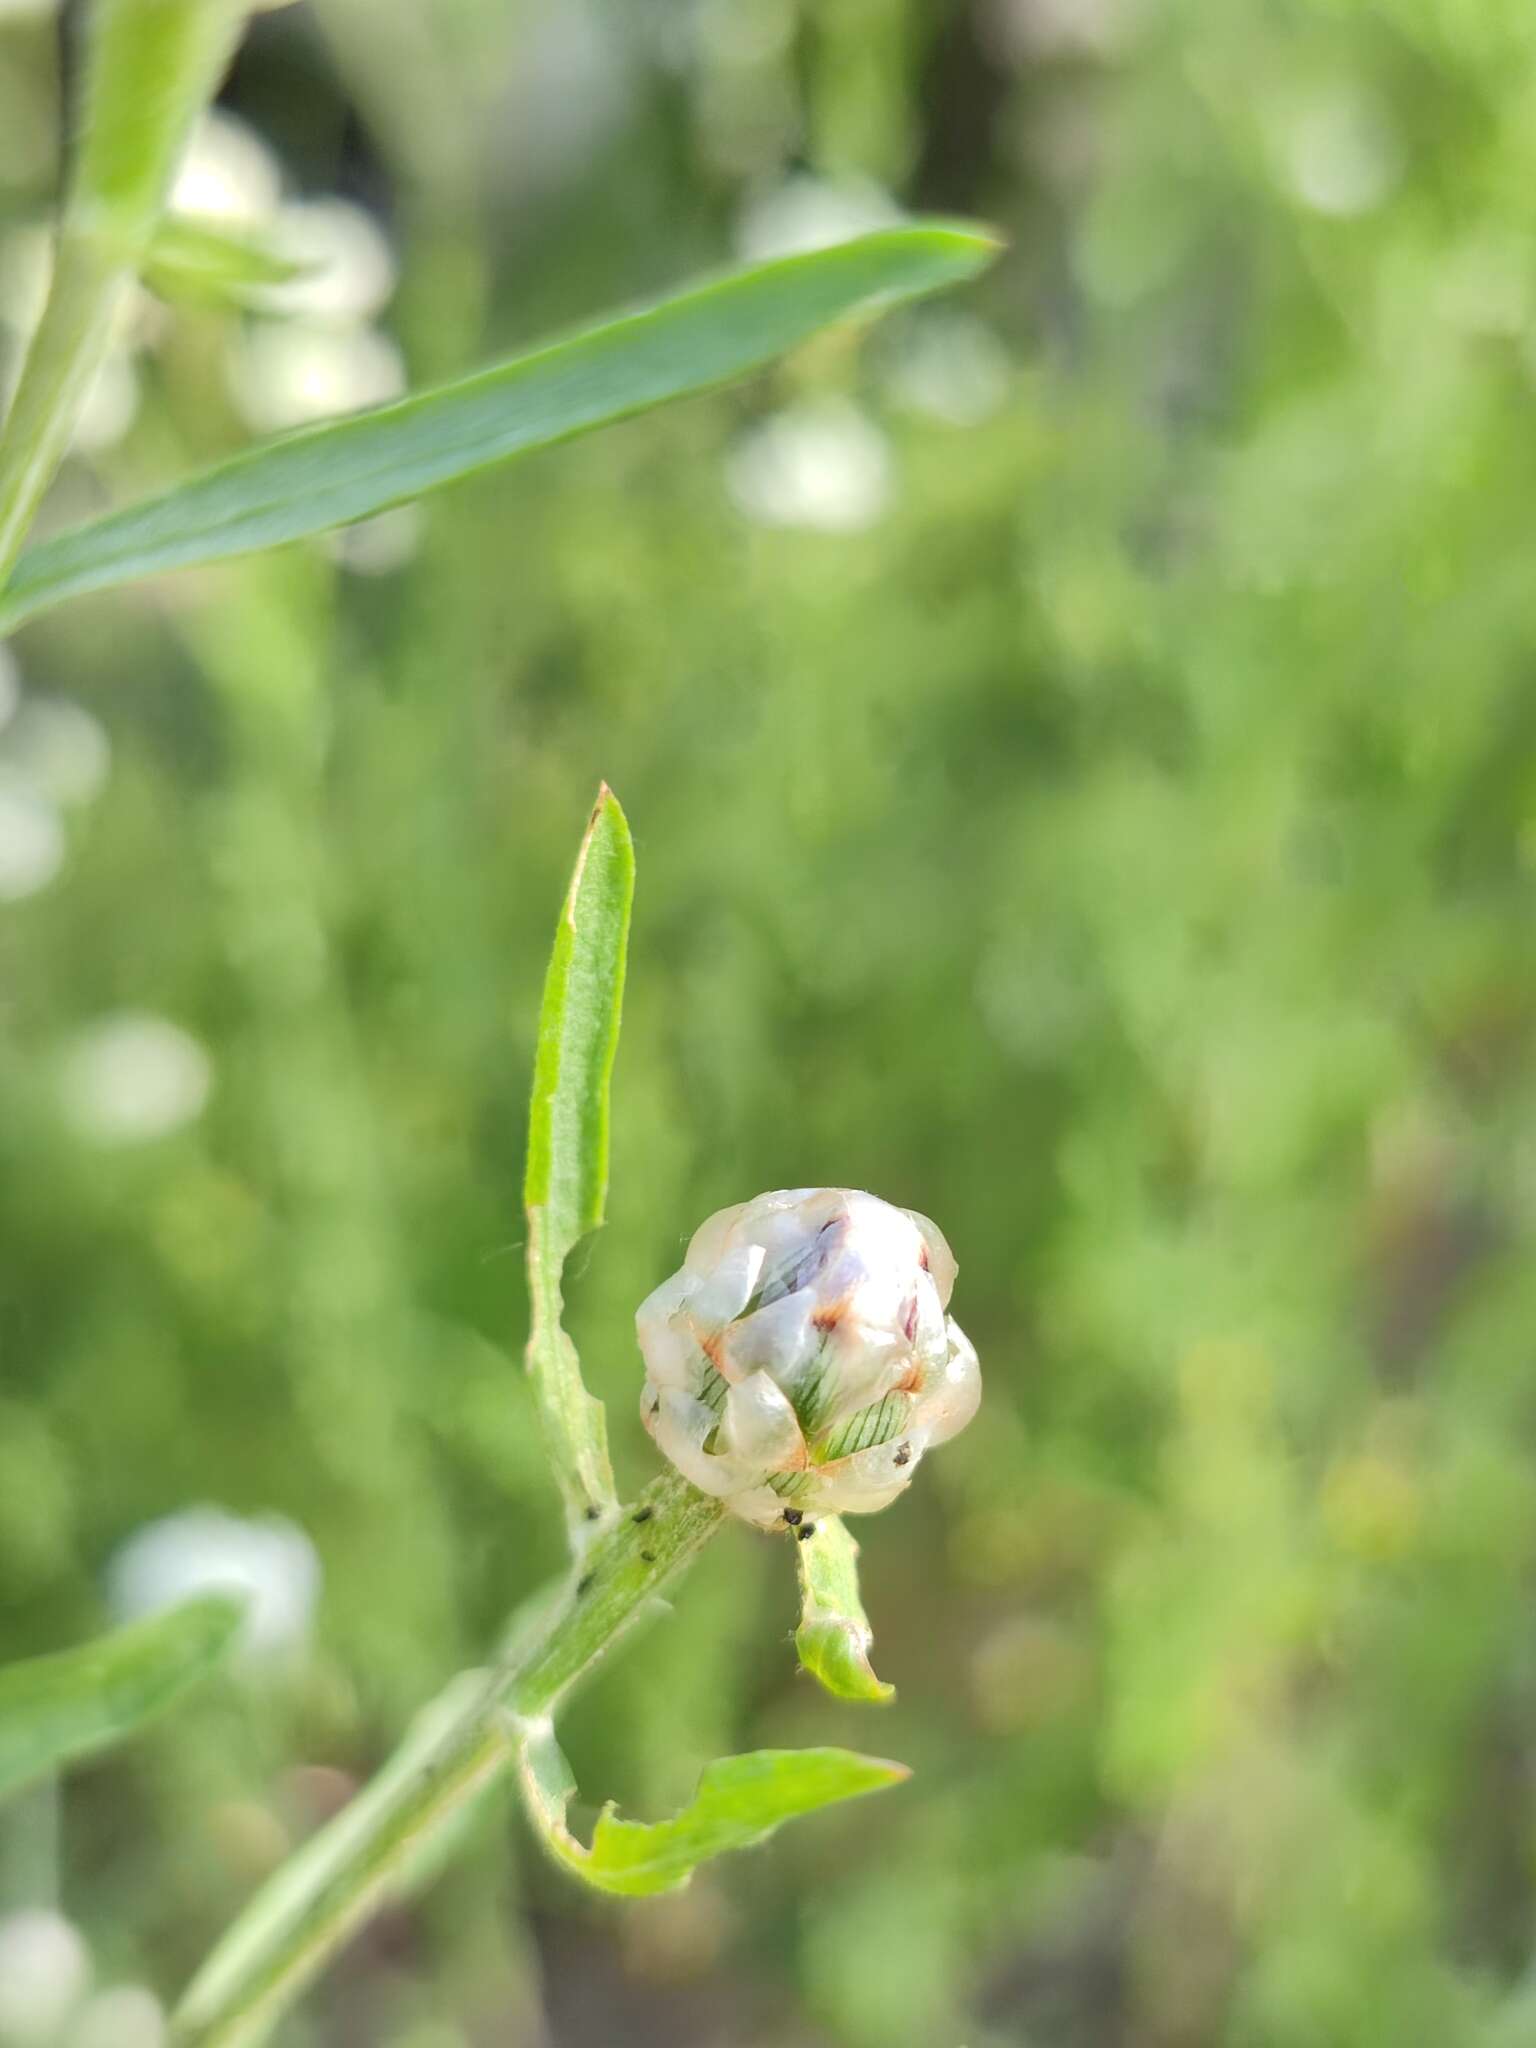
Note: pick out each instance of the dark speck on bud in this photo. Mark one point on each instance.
(584, 1584)
(642, 1515)
(592, 1513)
(805, 1531)
(794, 1517)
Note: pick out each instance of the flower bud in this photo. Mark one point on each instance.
(801, 1362)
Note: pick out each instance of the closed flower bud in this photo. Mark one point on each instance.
(801, 1362)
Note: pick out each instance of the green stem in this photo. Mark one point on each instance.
(88, 289)
(303, 1915)
(151, 65)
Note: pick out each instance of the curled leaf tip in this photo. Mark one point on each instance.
(739, 1802)
(836, 1654)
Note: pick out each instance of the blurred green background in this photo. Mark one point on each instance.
(1081, 743)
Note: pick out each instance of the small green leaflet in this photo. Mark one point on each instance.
(212, 264)
(53, 1709)
(331, 474)
(834, 1635)
(740, 1800)
(567, 1177)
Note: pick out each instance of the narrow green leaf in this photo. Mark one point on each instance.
(567, 1178)
(328, 475)
(567, 1175)
(834, 1636)
(53, 1709)
(740, 1801)
(213, 264)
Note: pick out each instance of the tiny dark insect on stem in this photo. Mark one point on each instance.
(592, 1513)
(805, 1530)
(642, 1515)
(584, 1583)
(648, 1556)
(794, 1517)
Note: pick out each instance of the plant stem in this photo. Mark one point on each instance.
(303, 1915)
(151, 65)
(88, 289)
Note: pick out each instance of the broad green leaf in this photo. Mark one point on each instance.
(328, 475)
(834, 1636)
(213, 264)
(567, 1177)
(55, 1708)
(740, 1800)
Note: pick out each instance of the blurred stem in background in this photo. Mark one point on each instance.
(463, 1742)
(150, 68)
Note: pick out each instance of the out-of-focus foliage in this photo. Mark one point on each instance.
(1079, 743)
(75, 1702)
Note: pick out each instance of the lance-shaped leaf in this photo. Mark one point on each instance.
(740, 1800)
(567, 1177)
(834, 1635)
(56, 1708)
(328, 475)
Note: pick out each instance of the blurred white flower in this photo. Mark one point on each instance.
(950, 367)
(32, 843)
(204, 1549)
(126, 2016)
(801, 1361)
(377, 546)
(811, 213)
(571, 87)
(228, 173)
(58, 747)
(109, 406)
(1340, 154)
(348, 267)
(820, 464)
(130, 1078)
(288, 374)
(45, 1971)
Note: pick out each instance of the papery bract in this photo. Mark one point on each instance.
(801, 1361)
